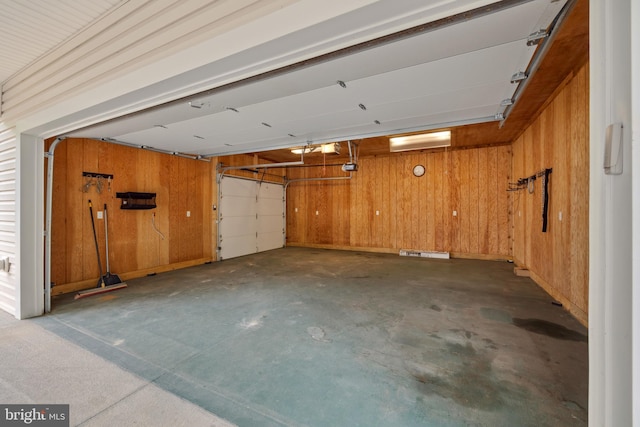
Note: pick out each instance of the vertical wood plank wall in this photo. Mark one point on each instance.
(135, 248)
(385, 208)
(558, 260)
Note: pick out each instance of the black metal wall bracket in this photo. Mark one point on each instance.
(98, 175)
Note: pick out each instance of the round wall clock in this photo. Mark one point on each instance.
(418, 170)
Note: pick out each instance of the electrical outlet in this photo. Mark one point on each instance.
(455, 213)
(296, 210)
(99, 214)
(188, 214)
(377, 213)
(317, 213)
(560, 216)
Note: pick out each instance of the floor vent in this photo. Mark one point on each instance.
(424, 254)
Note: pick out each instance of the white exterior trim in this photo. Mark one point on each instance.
(611, 249)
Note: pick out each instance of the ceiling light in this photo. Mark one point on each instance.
(420, 142)
(305, 150)
(330, 148)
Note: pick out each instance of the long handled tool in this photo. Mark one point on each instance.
(108, 278)
(102, 284)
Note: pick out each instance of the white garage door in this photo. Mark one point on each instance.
(250, 217)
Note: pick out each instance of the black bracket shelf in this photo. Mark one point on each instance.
(132, 200)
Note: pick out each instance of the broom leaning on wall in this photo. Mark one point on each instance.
(107, 282)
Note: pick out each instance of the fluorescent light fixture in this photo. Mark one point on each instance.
(328, 148)
(331, 148)
(421, 141)
(305, 150)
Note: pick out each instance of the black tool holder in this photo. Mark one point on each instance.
(135, 200)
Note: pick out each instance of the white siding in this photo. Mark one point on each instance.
(129, 37)
(8, 216)
(37, 26)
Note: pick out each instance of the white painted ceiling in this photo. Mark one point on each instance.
(455, 74)
(31, 28)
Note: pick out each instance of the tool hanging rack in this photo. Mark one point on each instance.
(529, 184)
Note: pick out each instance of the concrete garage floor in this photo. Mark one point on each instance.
(307, 337)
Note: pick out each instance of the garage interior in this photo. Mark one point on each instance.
(300, 311)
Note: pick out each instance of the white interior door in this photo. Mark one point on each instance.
(250, 217)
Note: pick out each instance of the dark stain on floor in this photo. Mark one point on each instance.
(549, 329)
(471, 383)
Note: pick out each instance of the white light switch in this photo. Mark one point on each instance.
(188, 214)
(455, 213)
(560, 216)
(296, 209)
(317, 213)
(377, 212)
(99, 214)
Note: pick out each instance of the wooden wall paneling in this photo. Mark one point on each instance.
(465, 214)
(430, 202)
(364, 183)
(438, 177)
(559, 191)
(421, 202)
(311, 232)
(558, 138)
(401, 211)
(453, 183)
(60, 259)
(209, 198)
(408, 230)
(376, 204)
(90, 156)
(517, 202)
(357, 226)
(162, 212)
(580, 189)
(415, 197)
(527, 199)
(384, 206)
(391, 211)
(347, 203)
(177, 201)
(192, 186)
(446, 202)
(504, 201)
(324, 207)
(146, 242)
(474, 197)
(414, 213)
(548, 132)
(125, 179)
(484, 181)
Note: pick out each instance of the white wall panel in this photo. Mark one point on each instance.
(8, 285)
